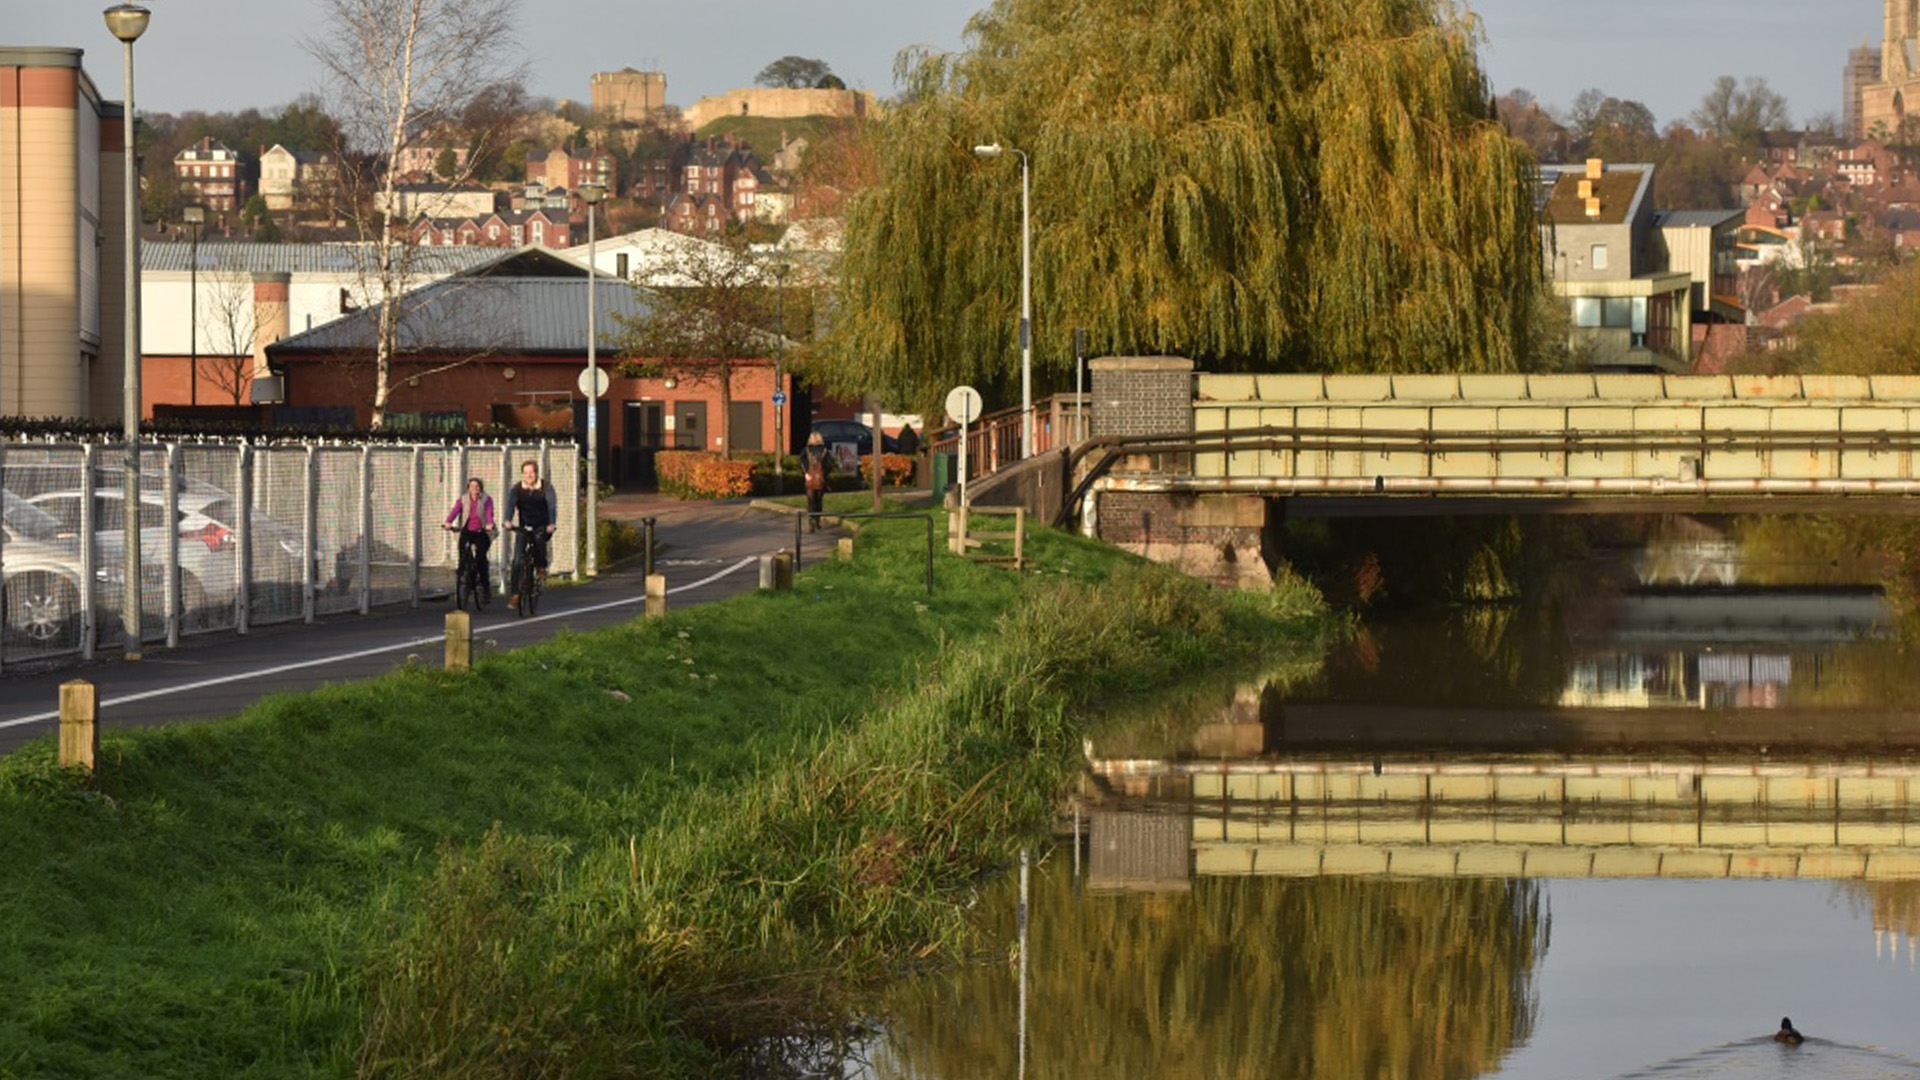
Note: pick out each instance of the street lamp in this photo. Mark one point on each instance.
(591, 194)
(780, 399)
(195, 216)
(995, 150)
(127, 22)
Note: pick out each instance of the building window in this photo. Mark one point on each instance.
(1598, 259)
(1586, 311)
(540, 232)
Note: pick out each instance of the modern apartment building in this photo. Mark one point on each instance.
(61, 247)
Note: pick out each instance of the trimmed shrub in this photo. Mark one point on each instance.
(896, 470)
(702, 474)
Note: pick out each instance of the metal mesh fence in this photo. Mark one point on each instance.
(276, 590)
(208, 537)
(232, 536)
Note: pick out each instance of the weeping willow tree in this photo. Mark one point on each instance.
(1241, 979)
(1258, 184)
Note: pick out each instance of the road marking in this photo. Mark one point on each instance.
(280, 669)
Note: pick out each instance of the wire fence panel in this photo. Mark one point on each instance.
(337, 526)
(276, 591)
(45, 576)
(563, 469)
(394, 518)
(233, 535)
(205, 479)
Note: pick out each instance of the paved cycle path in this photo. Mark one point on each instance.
(710, 552)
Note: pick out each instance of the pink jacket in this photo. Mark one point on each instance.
(463, 516)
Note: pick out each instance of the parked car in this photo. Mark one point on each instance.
(205, 519)
(40, 595)
(855, 432)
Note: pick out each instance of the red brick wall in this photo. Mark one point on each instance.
(476, 387)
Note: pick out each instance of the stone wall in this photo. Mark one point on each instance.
(780, 103)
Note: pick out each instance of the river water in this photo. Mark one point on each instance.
(1621, 834)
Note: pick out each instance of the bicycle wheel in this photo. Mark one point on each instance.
(463, 587)
(533, 592)
(523, 586)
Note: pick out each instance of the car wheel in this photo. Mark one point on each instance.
(42, 610)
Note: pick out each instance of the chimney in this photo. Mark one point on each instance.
(270, 315)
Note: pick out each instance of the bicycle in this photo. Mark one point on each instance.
(470, 576)
(527, 577)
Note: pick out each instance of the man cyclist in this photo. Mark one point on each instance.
(537, 508)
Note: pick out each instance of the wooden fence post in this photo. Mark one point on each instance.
(459, 641)
(656, 595)
(845, 549)
(79, 724)
(783, 571)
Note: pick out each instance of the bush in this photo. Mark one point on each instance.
(896, 470)
(702, 474)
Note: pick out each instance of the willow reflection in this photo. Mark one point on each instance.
(1412, 980)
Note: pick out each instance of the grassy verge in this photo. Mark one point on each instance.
(630, 852)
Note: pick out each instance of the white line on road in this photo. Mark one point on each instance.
(278, 669)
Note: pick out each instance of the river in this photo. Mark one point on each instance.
(1618, 834)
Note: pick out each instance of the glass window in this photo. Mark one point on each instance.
(1618, 311)
(1598, 260)
(1586, 311)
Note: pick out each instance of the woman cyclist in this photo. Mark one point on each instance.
(472, 518)
(537, 506)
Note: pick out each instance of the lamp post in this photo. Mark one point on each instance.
(591, 194)
(780, 398)
(995, 150)
(195, 216)
(127, 22)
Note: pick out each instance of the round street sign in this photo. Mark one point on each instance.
(963, 404)
(599, 384)
(779, 397)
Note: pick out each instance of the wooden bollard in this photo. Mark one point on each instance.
(767, 583)
(459, 641)
(783, 571)
(656, 595)
(845, 549)
(79, 724)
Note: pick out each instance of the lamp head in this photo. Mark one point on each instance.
(592, 193)
(989, 150)
(127, 21)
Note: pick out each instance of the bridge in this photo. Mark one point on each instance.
(1197, 469)
(1540, 818)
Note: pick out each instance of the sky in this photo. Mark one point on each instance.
(229, 54)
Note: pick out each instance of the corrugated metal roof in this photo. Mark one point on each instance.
(159, 256)
(483, 315)
(1694, 219)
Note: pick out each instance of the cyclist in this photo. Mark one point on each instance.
(472, 517)
(538, 508)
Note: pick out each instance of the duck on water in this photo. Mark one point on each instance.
(1788, 1034)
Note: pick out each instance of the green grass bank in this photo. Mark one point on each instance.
(632, 852)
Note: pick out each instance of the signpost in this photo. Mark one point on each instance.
(963, 404)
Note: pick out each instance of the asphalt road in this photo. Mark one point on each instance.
(707, 554)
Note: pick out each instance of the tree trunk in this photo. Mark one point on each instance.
(726, 410)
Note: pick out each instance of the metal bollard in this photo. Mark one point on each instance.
(656, 596)
(647, 541)
(459, 641)
(79, 724)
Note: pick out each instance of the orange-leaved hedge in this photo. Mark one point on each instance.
(702, 474)
(896, 470)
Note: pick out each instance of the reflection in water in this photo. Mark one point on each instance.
(1239, 978)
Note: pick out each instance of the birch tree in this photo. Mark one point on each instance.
(400, 71)
(1303, 185)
